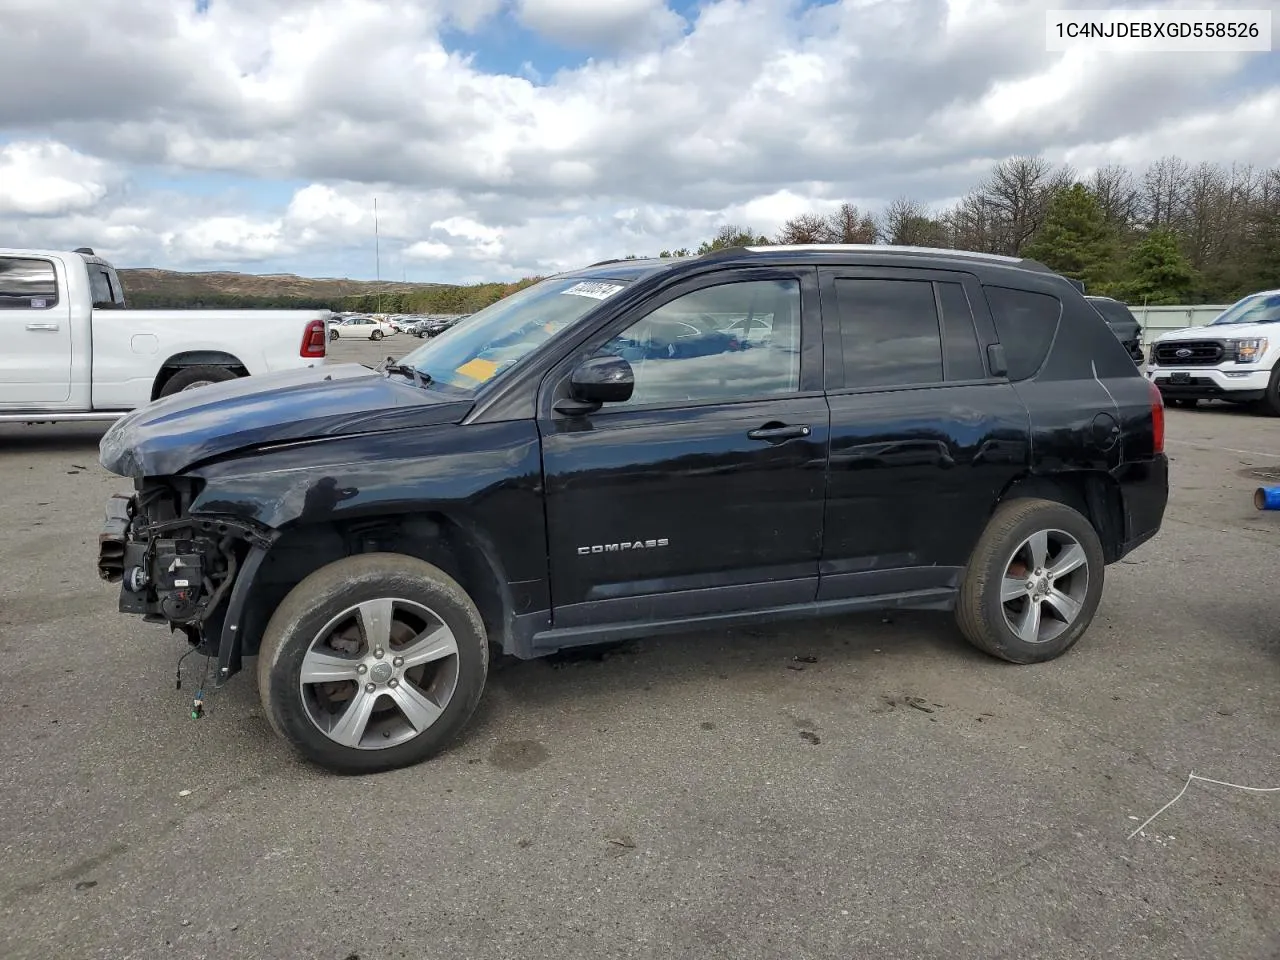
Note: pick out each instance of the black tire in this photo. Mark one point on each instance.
(1270, 402)
(980, 612)
(189, 378)
(325, 594)
(1183, 403)
(376, 335)
(333, 335)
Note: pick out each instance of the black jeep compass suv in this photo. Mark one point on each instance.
(635, 448)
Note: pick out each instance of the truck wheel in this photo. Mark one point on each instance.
(1033, 583)
(188, 378)
(376, 335)
(372, 663)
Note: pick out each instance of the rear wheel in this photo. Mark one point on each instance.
(189, 378)
(1033, 583)
(372, 663)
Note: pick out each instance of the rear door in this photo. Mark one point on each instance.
(923, 437)
(35, 333)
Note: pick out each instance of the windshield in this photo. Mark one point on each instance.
(1259, 308)
(470, 353)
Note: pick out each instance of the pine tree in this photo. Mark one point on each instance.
(1076, 239)
(1157, 271)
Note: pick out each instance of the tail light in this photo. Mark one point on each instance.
(313, 340)
(1157, 417)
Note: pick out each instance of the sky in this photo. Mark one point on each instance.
(508, 138)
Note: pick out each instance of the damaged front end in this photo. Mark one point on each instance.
(192, 572)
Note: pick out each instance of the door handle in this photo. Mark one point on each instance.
(779, 431)
(42, 326)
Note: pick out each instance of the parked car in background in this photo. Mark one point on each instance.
(71, 350)
(1235, 357)
(363, 328)
(917, 430)
(1122, 323)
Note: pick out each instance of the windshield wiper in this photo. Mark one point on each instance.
(420, 378)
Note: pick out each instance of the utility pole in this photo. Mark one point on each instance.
(377, 253)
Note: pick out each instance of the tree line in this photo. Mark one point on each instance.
(444, 299)
(1172, 233)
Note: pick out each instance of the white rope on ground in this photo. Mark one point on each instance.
(1192, 776)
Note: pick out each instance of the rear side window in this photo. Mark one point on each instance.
(959, 336)
(889, 332)
(27, 284)
(100, 287)
(1025, 323)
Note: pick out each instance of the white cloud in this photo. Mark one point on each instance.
(42, 178)
(750, 113)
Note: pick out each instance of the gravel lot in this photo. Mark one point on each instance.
(845, 789)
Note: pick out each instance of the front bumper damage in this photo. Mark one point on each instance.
(192, 572)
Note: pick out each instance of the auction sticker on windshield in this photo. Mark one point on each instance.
(596, 290)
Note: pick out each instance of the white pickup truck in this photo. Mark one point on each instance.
(69, 350)
(1235, 357)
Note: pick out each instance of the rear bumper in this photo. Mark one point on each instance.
(1210, 383)
(1145, 489)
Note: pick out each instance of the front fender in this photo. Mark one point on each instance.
(488, 476)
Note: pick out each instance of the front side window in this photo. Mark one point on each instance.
(27, 284)
(734, 341)
(889, 332)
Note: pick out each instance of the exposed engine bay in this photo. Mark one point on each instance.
(173, 568)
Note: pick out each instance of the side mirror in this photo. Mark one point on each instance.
(596, 382)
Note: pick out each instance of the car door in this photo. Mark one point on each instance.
(35, 330)
(923, 436)
(702, 493)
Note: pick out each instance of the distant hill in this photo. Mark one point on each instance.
(149, 281)
(149, 287)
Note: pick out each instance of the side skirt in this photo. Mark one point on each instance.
(530, 639)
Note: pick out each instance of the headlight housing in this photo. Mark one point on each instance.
(1248, 351)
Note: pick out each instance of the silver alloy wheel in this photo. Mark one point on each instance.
(379, 673)
(1044, 586)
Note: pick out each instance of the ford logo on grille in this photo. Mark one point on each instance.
(1184, 352)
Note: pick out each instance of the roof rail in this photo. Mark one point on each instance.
(883, 248)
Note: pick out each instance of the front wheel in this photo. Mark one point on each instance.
(376, 335)
(1033, 583)
(333, 335)
(372, 663)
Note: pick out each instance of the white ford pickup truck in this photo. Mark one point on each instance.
(1235, 357)
(69, 350)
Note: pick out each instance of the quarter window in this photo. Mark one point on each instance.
(888, 332)
(1026, 323)
(27, 284)
(734, 341)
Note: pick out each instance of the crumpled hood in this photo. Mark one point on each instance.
(173, 434)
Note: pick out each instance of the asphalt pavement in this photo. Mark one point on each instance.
(861, 787)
